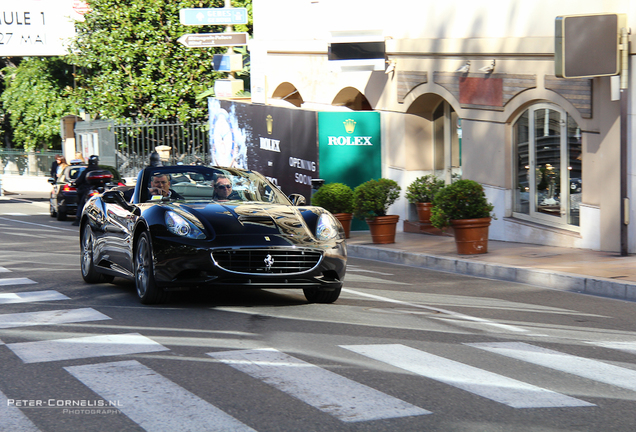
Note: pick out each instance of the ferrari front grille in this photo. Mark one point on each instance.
(266, 261)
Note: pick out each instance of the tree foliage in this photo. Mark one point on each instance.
(36, 96)
(130, 63)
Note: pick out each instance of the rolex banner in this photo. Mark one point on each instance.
(350, 149)
(280, 143)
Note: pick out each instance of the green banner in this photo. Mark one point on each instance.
(350, 149)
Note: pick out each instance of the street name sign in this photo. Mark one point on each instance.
(203, 40)
(213, 16)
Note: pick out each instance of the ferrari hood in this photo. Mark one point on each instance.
(236, 218)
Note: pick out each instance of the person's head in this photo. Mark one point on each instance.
(58, 159)
(222, 187)
(161, 181)
(93, 160)
(155, 159)
(62, 161)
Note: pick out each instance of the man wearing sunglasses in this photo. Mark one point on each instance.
(223, 189)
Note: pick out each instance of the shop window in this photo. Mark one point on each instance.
(548, 172)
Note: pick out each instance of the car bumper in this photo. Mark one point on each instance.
(183, 264)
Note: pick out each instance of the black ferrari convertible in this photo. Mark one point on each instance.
(203, 227)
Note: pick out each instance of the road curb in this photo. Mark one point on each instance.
(548, 279)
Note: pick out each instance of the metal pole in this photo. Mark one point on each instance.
(623, 145)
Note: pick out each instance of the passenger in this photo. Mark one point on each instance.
(223, 189)
(160, 186)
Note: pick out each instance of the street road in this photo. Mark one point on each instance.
(403, 349)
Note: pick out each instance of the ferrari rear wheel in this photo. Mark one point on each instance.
(89, 274)
(315, 295)
(147, 289)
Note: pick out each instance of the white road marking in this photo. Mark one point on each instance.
(331, 393)
(153, 402)
(16, 281)
(33, 296)
(40, 225)
(498, 388)
(368, 279)
(579, 366)
(12, 419)
(84, 347)
(629, 347)
(4, 270)
(26, 319)
(444, 311)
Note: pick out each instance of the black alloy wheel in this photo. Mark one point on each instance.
(61, 213)
(147, 289)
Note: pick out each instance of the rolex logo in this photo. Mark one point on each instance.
(350, 125)
(270, 123)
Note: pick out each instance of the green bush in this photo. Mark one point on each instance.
(423, 189)
(464, 199)
(373, 198)
(334, 197)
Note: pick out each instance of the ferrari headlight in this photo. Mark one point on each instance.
(326, 229)
(180, 226)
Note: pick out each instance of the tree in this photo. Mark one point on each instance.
(131, 65)
(36, 96)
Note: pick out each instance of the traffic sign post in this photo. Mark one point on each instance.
(203, 40)
(213, 16)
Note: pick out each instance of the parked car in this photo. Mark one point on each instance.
(256, 237)
(63, 199)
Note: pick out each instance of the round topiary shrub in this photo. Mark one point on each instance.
(373, 198)
(423, 189)
(334, 197)
(464, 199)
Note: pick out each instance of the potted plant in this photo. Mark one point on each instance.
(337, 198)
(421, 193)
(463, 206)
(371, 201)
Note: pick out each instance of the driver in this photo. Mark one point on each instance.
(160, 185)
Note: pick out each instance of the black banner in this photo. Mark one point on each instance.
(280, 143)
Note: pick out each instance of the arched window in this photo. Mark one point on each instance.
(547, 168)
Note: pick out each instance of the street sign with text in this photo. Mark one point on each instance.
(203, 40)
(213, 16)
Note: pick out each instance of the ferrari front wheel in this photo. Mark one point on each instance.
(147, 289)
(315, 295)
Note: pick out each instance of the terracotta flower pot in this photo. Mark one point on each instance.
(424, 212)
(471, 235)
(345, 220)
(383, 228)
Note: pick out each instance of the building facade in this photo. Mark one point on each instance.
(465, 88)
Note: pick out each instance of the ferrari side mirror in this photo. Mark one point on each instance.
(297, 199)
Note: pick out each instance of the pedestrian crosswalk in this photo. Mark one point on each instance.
(156, 403)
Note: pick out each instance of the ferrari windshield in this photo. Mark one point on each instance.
(211, 184)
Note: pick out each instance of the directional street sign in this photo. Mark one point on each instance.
(213, 16)
(202, 40)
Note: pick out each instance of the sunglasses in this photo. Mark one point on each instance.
(224, 187)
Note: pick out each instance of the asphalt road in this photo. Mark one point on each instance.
(403, 349)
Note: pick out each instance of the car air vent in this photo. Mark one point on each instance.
(258, 220)
(266, 261)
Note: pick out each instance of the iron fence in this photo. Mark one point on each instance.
(177, 143)
(31, 163)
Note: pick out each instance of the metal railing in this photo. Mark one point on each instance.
(21, 162)
(184, 144)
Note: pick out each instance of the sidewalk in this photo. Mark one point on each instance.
(577, 270)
